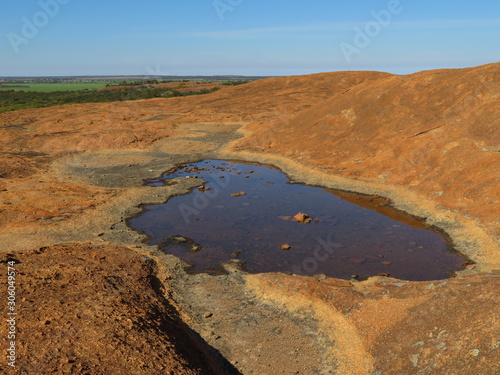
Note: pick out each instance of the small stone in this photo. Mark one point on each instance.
(354, 277)
(207, 315)
(179, 239)
(387, 263)
(238, 194)
(383, 274)
(285, 247)
(236, 253)
(358, 260)
(320, 276)
(470, 266)
(301, 217)
(195, 247)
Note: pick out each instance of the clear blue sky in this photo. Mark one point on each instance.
(249, 37)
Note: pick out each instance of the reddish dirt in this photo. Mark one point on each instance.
(99, 310)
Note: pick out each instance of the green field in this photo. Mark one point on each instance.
(50, 87)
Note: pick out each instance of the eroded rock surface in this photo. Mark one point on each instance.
(70, 176)
(87, 309)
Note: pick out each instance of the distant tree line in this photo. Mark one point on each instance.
(142, 83)
(156, 82)
(235, 83)
(11, 100)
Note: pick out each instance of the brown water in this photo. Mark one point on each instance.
(207, 228)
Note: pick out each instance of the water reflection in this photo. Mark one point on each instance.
(246, 212)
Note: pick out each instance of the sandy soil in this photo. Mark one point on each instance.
(94, 298)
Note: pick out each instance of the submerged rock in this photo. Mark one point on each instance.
(238, 194)
(302, 218)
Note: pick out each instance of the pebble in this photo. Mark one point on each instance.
(302, 218)
(238, 194)
(358, 260)
(285, 247)
(207, 315)
(475, 352)
(179, 239)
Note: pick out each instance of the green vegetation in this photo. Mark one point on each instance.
(143, 82)
(12, 100)
(50, 87)
(38, 92)
(235, 83)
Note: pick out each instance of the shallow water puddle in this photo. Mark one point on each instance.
(249, 212)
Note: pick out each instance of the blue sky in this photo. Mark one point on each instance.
(248, 37)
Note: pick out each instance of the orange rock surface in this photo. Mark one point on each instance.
(436, 133)
(71, 175)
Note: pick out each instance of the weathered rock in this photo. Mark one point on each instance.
(238, 194)
(101, 298)
(302, 218)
